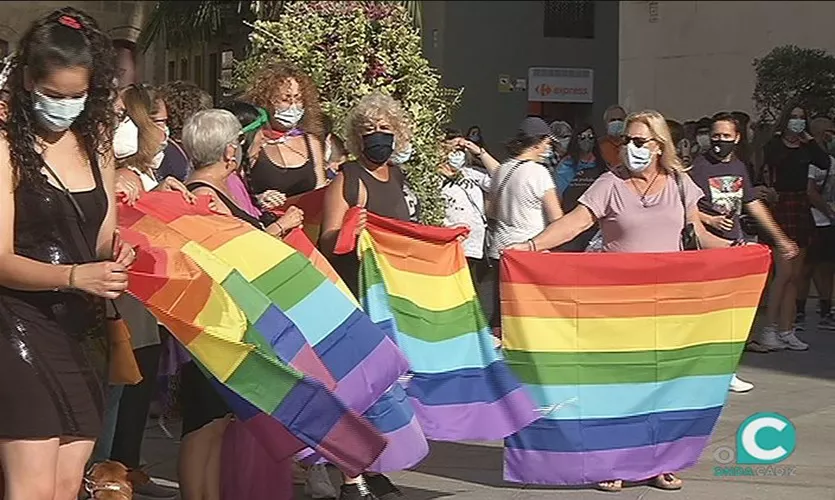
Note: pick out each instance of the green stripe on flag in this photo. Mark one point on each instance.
(290, 281)
(566, 368)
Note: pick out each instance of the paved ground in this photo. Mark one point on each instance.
(800, 386)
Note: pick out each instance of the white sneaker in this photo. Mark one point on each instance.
(768, 339)
(318, 483)
(790, 340)
(739, 386)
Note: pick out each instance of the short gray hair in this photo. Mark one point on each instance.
(207, 133)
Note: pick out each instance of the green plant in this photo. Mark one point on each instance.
(351, 48)
(790, 73)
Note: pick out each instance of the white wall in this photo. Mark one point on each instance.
(696, 58)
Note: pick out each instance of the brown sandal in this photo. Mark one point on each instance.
(610, 486)
(667, 481)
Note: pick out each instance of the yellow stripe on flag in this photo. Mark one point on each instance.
(625, 334)
(254, 245)
(434, 293)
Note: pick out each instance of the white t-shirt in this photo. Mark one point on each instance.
(519, 211)
(828, 194)
(464, 199)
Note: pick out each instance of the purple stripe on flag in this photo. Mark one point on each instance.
(365, 383)
(407, 446)
(459, 422)
(580, 468)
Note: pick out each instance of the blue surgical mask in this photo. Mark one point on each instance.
(615, 128)
(456, 159)
(797, 125)
(637, 159)
(57, 114)
(401, 157)
(290, 117)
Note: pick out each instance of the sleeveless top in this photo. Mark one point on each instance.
(265, 175)
(237, 211)
(49, 228)
(382, 198)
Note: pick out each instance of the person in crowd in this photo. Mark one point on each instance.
(820, 259)
(335, 152)
(640, 208)
(562, 133)
(292, 159)
(610, 144)
(464, 190)
(475, 136)
(576, 172)
(144, 113)
(524, 199)
(683, 146)
(181, 100)
(400, 158)
(702, 136)
(726, 183)
(60, 256)
(787, 158)
(373, 127)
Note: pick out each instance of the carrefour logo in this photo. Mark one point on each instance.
(765, 438)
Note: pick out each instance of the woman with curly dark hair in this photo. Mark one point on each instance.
(182, 100)
(60, 256)
(292, 160)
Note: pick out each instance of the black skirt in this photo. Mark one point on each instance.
(201, 403)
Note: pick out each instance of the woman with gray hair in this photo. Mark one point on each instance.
(374, 129)
(214, 139)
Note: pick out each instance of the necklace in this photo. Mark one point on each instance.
(643, 195)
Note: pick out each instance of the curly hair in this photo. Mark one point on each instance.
(64, 38)
(141, 103)
(182, 99)
(269, 81)
(373, 107)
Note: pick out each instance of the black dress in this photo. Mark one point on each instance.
(53, 347)
(266, 175)
(383, 198)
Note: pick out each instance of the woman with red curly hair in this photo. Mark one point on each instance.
(292, 160)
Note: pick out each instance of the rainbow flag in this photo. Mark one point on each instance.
(628, 356)
(311, 204)
(239, 337)
(415, 284)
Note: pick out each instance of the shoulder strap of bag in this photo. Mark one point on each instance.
(501, 187)
(680, 186)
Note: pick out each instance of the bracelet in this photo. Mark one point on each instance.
(280, 227)
(71, 283)
(481, 153)
(532, 245)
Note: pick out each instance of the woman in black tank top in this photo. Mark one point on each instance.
(375, 124)
(292, 160)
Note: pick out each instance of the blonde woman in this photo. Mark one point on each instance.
(373, 128)
(639, 208)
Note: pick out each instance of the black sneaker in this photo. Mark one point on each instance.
(355, 492)
(382, 487)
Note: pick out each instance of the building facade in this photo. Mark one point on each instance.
(555, 59)
(689, 59)
(122, 20)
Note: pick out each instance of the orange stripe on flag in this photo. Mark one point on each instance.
(414, 256)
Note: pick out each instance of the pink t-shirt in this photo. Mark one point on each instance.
(629, 226)
(240, 195)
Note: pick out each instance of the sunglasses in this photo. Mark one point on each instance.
(585, 136)
(637, 141)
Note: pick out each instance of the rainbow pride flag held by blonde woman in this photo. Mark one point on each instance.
(628, 356)
(235, 297)
(416, 285)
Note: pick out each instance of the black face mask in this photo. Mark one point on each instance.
(721, 149)
(378, 147)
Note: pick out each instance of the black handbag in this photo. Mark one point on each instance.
(689, 240)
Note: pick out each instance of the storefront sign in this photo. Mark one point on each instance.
(560, 85)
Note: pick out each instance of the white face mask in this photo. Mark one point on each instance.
(703, 140)
(126, 139)
(290, 117)
(456, 159)
(797, 125)
(401, 157)
(637, 159)
(157, 161)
